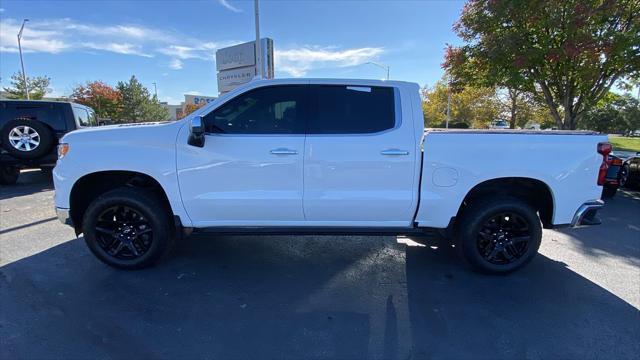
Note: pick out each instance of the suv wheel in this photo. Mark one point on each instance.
(26, 139)
(128, 228)
(624, 177)
(9, 174)
(499, 236)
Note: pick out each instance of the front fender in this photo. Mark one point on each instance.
(150, 150)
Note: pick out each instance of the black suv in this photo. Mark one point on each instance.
(30, 130)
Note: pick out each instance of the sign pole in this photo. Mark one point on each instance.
(258, 42)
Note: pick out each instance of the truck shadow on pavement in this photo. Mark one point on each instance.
(305, 297)
(620, 233)
(29, 182)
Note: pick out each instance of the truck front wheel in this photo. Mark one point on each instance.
(498, 235)
(128, 228)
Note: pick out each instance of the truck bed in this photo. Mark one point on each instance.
(455, 161)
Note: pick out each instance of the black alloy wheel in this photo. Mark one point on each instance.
(129, 228)
(498, 235)
(123, 232)
(504, 238)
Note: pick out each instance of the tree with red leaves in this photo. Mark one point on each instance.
(102, 98)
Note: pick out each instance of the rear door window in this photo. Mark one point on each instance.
(352, 109)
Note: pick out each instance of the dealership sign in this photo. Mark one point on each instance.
(198, 99)
(236, 56)
(236, 65)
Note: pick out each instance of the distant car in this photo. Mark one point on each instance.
(500, 124)
(30, 130)
(630, 172)
(612, 177)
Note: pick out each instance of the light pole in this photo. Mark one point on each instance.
(256, 8)
(382, 66)
(24, 75)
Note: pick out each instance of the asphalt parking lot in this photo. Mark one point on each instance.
(249, 297)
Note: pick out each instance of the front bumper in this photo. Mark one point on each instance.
(586, 214)
(64, 216)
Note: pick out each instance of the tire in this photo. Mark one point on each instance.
(149, 233)
(9, 174)
(39, 142)
(624, 179)
(501, 221)
(608, 192)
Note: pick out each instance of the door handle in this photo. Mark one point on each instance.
(394, 152)
(283, 151)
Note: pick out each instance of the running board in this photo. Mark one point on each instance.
(371, 231)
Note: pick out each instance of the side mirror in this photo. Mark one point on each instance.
(196, 131)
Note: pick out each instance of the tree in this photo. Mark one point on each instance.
(567, 53)
(189, 108)
(471, 106)
(102, 98)
(38, 87)
(138, 105)
(613, 114)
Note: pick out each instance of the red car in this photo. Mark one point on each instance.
(612, 178)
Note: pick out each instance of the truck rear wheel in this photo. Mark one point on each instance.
(128, 228)
(498, 236)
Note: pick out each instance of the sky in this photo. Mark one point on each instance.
(173, 43)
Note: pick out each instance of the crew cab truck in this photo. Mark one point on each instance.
(324, 157)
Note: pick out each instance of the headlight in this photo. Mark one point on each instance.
(63, 149)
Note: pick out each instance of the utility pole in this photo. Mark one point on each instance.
(24, 75)
(258, 42)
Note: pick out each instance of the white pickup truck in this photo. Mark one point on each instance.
(324, 157)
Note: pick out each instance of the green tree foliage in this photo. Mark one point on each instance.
(567, 53)
(476, 107)
(137, 104)
(470, 107)
(104, 99)
(38, 87)
(613, 114)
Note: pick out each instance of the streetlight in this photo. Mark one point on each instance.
(24, 75)
(382, 66)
